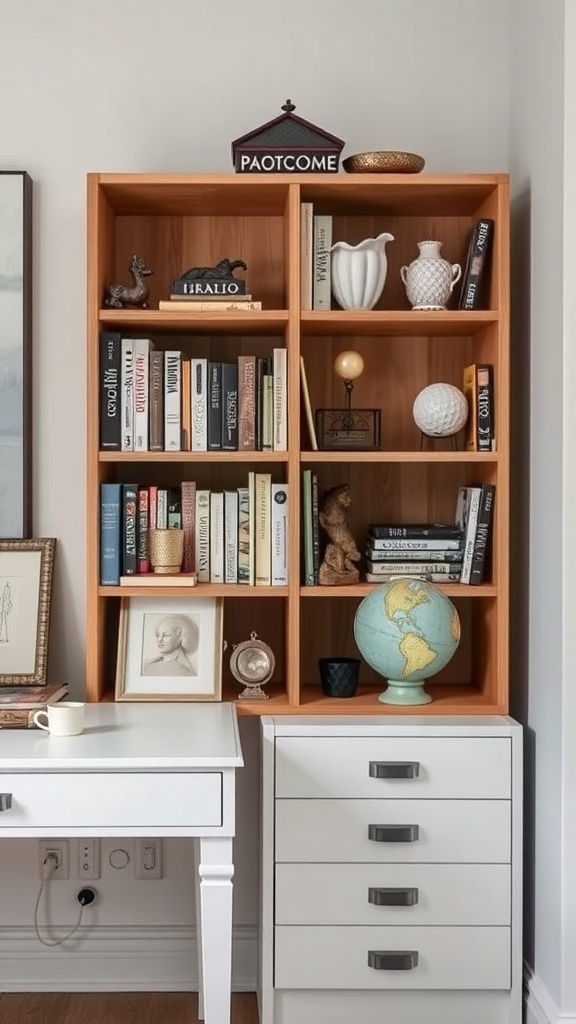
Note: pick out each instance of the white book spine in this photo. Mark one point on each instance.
(279, 535)
(202, 536)
(243, 535)
(251, 526)
(230, 536)
(172, 398)
(127, 394)
(216, 537)
(306, 247)
(162, 509)
(280, 369)
(321, 286)
(472, 508)
(199, 405)
(141, 393)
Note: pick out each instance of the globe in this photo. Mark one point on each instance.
(407, 630)
(440, 410)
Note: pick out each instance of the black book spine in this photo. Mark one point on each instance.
(474, 279)
(481, 550)
(485, 409)
(230, 406)
(130, 529)
(415, 531)
(110, 418)
(214, 406)
(315, 529)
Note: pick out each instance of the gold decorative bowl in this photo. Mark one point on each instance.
(384, 162)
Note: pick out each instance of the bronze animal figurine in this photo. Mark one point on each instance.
(119, 296)
(341, 552)
(222, 270)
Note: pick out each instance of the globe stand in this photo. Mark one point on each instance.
(401, 692)
(431, 441)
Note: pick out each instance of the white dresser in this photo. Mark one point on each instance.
(391, 870)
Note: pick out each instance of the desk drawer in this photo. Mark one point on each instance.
(393, 894)
(337, 958)
(126, 800)
(447, 768)
(457, 831)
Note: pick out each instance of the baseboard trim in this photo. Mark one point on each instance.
(540, 1007)
(153, 959)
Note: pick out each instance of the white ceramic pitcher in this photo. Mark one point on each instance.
(359, 271)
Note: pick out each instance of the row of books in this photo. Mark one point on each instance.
(478, 388)
(233, 536)
(316, 232)
(155, 400)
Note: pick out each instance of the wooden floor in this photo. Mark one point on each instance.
(114, 1008)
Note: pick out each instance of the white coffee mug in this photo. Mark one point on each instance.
(63, 719)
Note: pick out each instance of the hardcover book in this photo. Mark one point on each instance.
(172, 389)
(321, 286)
(262, 528)
(188, 498)
(143, 527)
(129, 529)
(229, 406)
(279, 535)
(202, 538)
(475, 278)
(477, 386)
(156, 425)
(214, 406)
(418, 531)
(247, 403)
(467, 506)
(142, 347)
(127, 395)
(110, 368)
(280, 369)
(244, 546)
(199, 403)
(216, 537)
(230, 536)
(110, 534)
(482, 539)
(306, 254)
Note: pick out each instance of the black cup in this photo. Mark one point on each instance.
(339, 676)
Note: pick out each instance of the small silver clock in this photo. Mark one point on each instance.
(252, 663)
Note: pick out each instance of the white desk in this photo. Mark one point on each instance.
(140, 770)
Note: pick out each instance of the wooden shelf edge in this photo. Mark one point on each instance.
(357, 590)
(211, 457)
(482, 458)
(457, 699)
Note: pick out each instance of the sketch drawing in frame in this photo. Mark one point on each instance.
(169, 649)
(15, 354)
(26, 569)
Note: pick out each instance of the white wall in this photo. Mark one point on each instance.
(543, 166)
(165, 86)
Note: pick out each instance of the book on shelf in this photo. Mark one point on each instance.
(467, 505)
(251, 527)
(308, 406)
(216, 536)
(129, 529)
(280, 373)
(230, 536)
(214, 406)
(110, 534)
(483, 536)
(174, 508)
(142, 527)
(411, 567)
(418, 555)
(478, 389)
(160, 579)
(262, 529)
(306, 254)
(191, 300)
(188, 511)
(417, 531)
(18, 704)
(321, 261)
(244, 546)
(110, 369)
(315, 528)
(428, 577)
(181, 305)
(127, 394)
(229, 406)
(172, 412)
(416, 544)
(186, 406)
(202, 535)
(247, 403)
(475, 276)
(162, 509)
(307, 529)
(156, 425)
(279, 535)
(142, 348)
(199, 404)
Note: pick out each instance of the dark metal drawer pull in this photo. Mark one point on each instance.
(394, 769)
(393, 959)
(393, 833)
(5, 801)
(392, 897)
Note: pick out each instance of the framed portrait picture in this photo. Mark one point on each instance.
(15, 353)
(26, 568)
(169, 649)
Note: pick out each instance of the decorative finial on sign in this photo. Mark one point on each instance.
(288, 106)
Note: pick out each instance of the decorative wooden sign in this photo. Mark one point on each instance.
(287, 144)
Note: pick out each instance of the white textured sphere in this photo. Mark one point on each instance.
(440, 410)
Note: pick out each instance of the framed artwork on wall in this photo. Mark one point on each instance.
(169, 649)
(15, 354)
(26, 568)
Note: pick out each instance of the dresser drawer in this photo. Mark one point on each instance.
(337, 958)
(448, 831)
(446, 767)
(393, 894)
(128, 800)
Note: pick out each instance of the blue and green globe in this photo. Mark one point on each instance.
(407, 630)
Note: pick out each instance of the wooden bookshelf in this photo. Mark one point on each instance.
(176, 221)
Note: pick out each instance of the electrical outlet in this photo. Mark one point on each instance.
(59, 849)
(89, 858)
(147, 858)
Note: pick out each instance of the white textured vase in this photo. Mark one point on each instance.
(440, 410)
(359, 271)
(430, 279)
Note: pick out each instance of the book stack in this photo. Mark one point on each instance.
(474, 516)
(214, 304)
(19, 704)
(425, 551)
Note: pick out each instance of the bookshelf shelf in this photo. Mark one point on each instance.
(177, 221)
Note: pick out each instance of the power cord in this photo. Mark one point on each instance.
(51, 863)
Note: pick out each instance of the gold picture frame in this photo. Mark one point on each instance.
(169, 649)
(26, 569)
